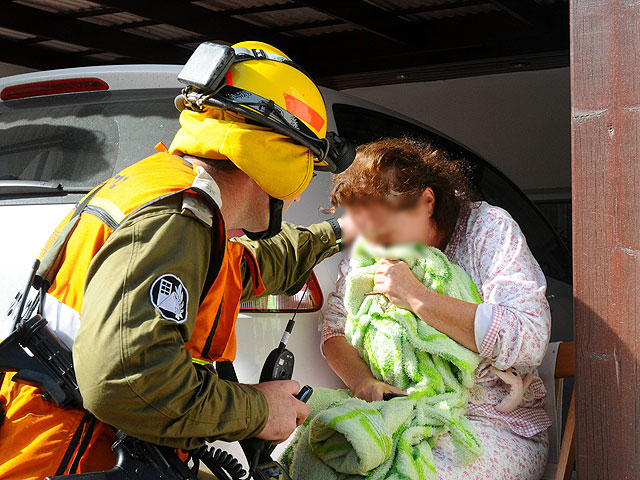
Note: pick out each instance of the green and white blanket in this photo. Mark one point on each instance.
(345, 437)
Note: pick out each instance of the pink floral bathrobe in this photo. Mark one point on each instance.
(512, 330)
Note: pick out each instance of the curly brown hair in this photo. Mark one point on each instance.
(396, 171)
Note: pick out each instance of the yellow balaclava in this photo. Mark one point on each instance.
(281, 167)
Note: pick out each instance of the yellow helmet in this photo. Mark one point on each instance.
(262, 84)
(283, 82)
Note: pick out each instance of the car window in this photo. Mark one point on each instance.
(83, 139)
(362, 125)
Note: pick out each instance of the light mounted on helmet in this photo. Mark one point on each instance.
(205, 76)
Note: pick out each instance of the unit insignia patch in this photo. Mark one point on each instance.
(170, 297)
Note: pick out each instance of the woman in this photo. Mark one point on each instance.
(400, 191)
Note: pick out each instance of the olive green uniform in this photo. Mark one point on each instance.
(131, 366)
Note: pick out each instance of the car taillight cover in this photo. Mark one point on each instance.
(53, 87)
(312, 301)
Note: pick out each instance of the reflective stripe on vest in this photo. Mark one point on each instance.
(139, 185)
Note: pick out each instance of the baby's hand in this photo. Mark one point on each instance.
(372, 390)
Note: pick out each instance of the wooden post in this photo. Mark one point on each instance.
(605, 79)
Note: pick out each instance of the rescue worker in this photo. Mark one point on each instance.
(145, 286)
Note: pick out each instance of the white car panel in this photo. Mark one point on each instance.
(25, 229)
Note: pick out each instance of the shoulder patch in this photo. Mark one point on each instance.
(170, 297)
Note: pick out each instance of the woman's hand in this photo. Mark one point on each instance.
(397, 282)
(453, 317)
(356, 375)
(372, 390)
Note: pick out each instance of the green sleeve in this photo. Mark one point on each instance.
(132, 369)
(287, 259)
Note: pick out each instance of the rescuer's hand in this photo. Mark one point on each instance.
(285, 411)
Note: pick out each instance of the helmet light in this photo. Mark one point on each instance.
(207, 67)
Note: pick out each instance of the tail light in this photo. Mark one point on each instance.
(311, 302)
(53, 87)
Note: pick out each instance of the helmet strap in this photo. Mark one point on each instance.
(244, 54)
(275, 221)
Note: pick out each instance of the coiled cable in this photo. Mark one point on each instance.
(222, 464)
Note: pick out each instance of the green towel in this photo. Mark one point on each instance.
(346, 437)
(397, 346)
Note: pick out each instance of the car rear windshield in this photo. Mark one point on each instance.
(80, 140)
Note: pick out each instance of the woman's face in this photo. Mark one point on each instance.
(383, 225)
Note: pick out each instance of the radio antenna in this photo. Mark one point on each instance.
(291, 323)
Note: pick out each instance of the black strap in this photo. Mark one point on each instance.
(226, 371)
(207, 344)
(218, 247)
(83, 445)
(267, 108)
(243, 54)
(2, 412)
(73, 444)
(337, 230)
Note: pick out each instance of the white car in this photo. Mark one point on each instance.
(65, 131)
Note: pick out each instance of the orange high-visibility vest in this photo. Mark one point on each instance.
(38, 439)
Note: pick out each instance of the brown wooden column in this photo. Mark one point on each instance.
(605, 77)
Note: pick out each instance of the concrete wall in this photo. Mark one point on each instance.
(518, 121)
